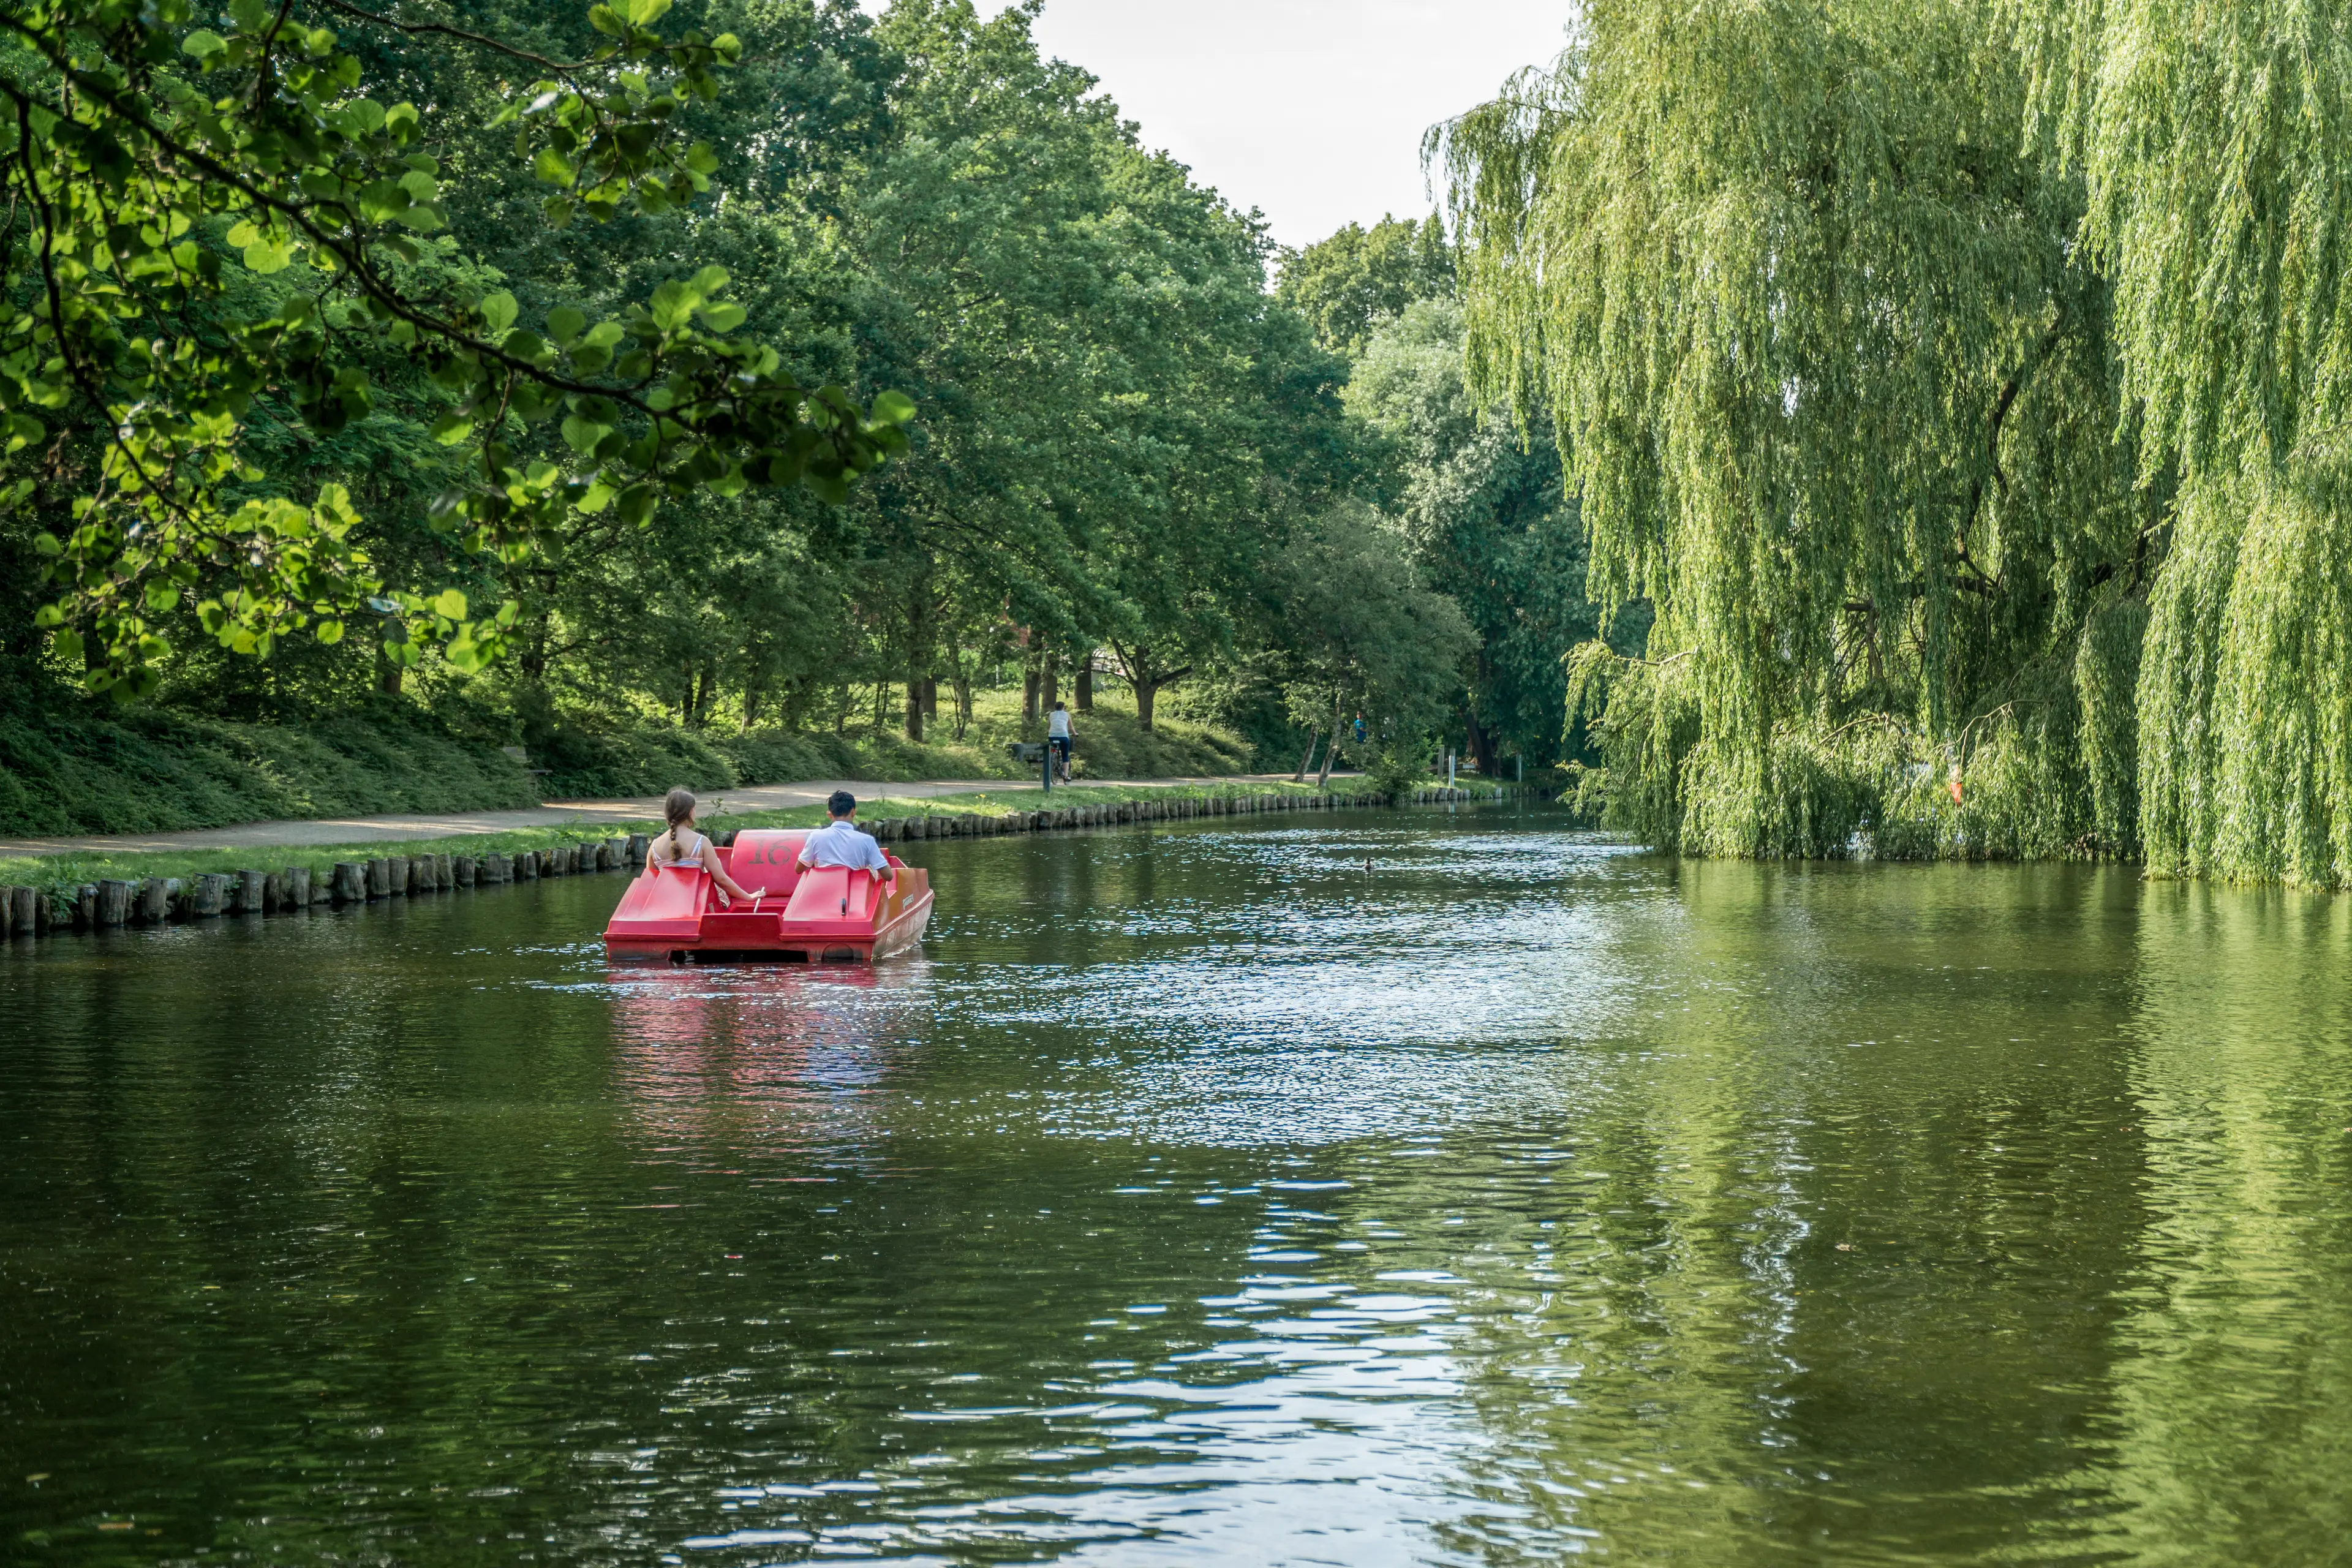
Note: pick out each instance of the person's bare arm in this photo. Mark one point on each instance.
(727, 884)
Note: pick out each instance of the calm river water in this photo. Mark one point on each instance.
(1201, 1196)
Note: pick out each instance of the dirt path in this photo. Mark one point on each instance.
(554, 813)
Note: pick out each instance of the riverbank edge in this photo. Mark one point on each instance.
(162, 888)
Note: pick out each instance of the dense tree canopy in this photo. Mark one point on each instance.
(1914, 362)
(524, 381)
(223, 235)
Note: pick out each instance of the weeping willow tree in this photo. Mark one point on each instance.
(1835, 384)
(2216, 150)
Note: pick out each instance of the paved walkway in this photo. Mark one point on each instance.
(554, 813)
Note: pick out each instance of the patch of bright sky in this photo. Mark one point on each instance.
(1310, 111)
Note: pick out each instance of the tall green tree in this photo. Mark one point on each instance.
(1832, 381)
(1367, 638)
(1347, 284)
(1488, 520)
(2215, 144)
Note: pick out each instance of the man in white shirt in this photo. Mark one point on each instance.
(1057, 735)
(842, 842)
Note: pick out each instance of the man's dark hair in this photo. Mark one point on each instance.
(1057, 707)
(841, 804)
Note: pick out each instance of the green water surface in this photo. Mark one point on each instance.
(1200, 1194)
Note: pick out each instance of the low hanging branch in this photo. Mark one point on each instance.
(149, 152)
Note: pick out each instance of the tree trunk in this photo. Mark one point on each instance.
(1146, 693)
(1482, 748)
(1332, 750)
(1029, 697)
(1306, 758)
(962, 689)
(1086, 692)
(914, 707)
(931, 697)
(1052, 693)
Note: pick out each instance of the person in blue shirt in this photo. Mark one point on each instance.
(842, 842)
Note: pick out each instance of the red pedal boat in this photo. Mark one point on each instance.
(824, 915)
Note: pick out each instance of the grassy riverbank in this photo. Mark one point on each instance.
(85, 769)
(58, 875)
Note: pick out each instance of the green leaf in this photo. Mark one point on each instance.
(331, 632)
(637, 505)
(672, 303)
(499, 310)
(271, 253)
(67, 644)
(646, 13)
(721, 318)
(599, 497)
(604, 19)
(893, 408)
(584, 434)
(452, 428)
(379, 200)
(553, 168)
(251, 17)
(203, 46)
(564, 323)
(450, 605)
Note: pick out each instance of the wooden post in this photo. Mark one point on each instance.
(247, 898)
(155, 903)
(638, 844)
(211, 895)
(348, 883)
(526, 865)
(395, 876)
(114, 903)
(379, 878)
(464, 869)
(298, 887)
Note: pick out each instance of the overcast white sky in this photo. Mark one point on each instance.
(1311, 110)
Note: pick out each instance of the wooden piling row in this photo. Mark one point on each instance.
(157, 901)
(26, 914)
